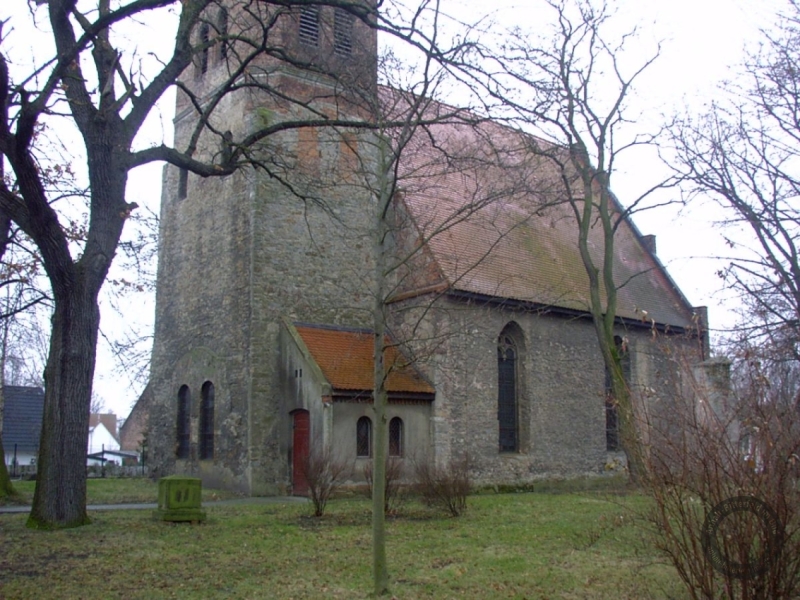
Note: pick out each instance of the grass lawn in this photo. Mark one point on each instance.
(113, 491)
(532, 545)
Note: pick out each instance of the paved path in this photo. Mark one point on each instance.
(145, 506)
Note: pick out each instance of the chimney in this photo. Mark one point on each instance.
(701, 322)
(649, 242)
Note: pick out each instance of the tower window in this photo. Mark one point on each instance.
(207, 421)
(222, 30)
(183, 183)
(309, 25)
(342, 32)
(364, 438)
(182, 424)
(204, 37)
(396, 437)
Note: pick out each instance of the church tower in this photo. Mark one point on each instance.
(284, 241)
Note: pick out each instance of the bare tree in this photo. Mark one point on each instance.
(743, 155)
(97, 406)
(398, 115)
(100, 92)
(393, 488)
(415, 143)
(572, 85)
(723, 479)
(132, 283)
(418, 143)
(445, 486)
(324, 473)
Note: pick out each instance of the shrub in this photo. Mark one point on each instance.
(445, 487)
(324, 474)
(393, 498)
(726, 511)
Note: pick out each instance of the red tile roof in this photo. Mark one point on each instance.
(504, 231)
(346, 359)
(108, 420)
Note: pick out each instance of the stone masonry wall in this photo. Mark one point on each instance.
(561, 389)
(238, 254)
(311, 264)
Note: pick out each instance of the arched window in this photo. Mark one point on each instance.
(364, 438)
(309, 25)
(182, 422)
(205, 35)
(207, 421)
(342, 32)
(183, 183)
(222, 32)
(612, 408)
(507, 402)
(396, 437)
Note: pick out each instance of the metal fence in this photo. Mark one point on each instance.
(94, 471)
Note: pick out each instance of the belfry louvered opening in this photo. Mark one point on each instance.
(309, 25)
(342, 32)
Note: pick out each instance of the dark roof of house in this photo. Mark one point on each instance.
(493, 219)
(345, 356)
(22, 417)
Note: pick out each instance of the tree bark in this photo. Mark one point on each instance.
(380, 396)
(603, 306)
(379, 568)
(60, 497)
(6, 487)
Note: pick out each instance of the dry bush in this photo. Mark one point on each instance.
(324, 474)
(444, 487)
(394, 496)
(723, 476)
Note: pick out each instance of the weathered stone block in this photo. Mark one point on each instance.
(179, 499)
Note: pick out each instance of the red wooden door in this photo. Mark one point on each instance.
(300, 443)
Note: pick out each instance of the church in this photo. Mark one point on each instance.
(268, 279)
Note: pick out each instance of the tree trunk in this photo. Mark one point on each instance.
(629, 427)
(60, 497)
(380, 571)
(597, 206)
(6, 489)
(380, 398)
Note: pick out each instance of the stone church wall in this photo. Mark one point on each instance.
(237, 255)
(240, 253)
(561, 378)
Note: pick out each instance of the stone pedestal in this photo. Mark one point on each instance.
(179, 499)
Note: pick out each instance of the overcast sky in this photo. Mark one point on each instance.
(703, 42)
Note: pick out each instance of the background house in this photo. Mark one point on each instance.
(132, 433)
(22, 424)
(102, 439)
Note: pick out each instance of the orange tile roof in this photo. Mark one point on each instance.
(505, 230)
(346, 359)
